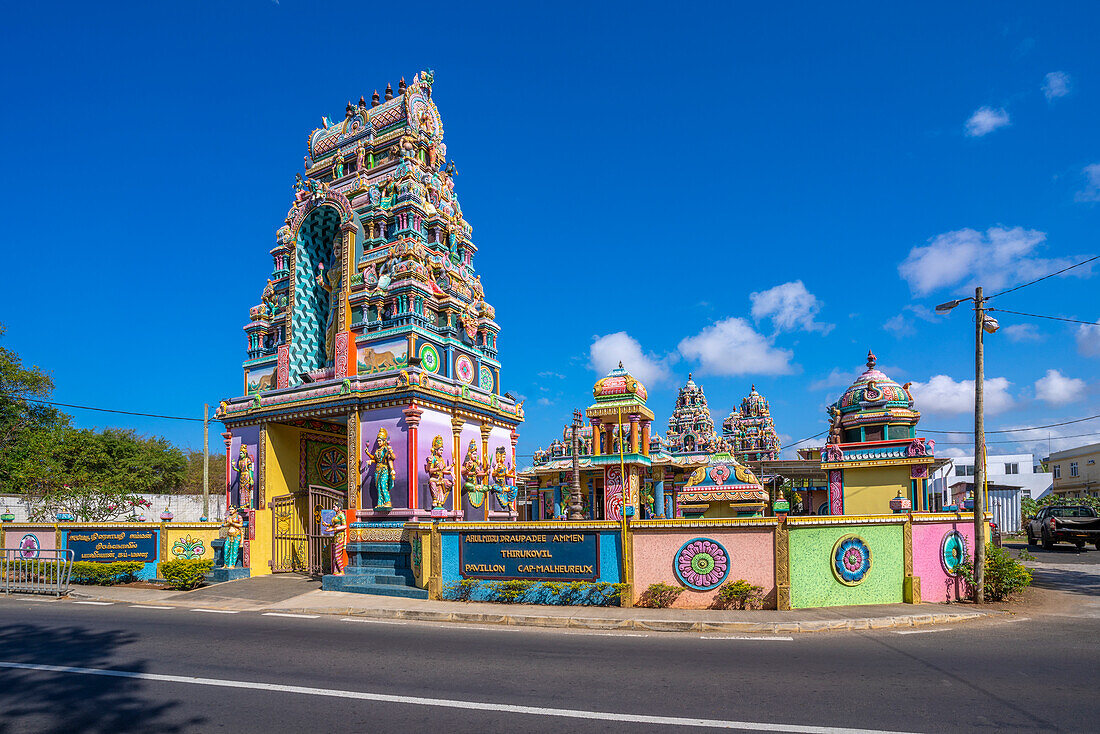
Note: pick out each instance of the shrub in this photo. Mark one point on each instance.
(1004, 575)
(185, 573)
(739, 594)
(660, 596)
(510, 592)
(461, 590)
(104, 574)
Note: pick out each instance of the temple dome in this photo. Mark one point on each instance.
(875, 399)
(619, 384)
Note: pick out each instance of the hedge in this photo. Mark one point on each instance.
(185, 573)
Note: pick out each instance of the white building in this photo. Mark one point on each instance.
(1011, 478)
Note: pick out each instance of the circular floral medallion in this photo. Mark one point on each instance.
(464, 369)
(332, 465)
(429, 358)
(29, 547)
(702, 564)
(851, 560)
(953, 552)
(485, 379)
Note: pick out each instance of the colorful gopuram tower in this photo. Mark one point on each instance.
(372, 375)
(873, 452)
(690, 427)
(750, 431)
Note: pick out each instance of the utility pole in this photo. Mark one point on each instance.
(206, 460)
(576, 510)
(979, 447)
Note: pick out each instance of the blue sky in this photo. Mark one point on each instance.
(634, 175)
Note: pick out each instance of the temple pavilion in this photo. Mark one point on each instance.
(749, 431)
(619, 451)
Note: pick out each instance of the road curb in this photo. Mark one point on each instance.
(603, 624)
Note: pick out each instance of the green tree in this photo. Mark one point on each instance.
(25, 426)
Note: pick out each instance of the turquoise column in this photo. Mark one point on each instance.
(659, 497)
(557, 501)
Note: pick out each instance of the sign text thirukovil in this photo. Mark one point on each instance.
(537, 556)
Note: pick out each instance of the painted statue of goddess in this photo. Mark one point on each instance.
(331, 284)
(439, 474)
(338, 527)
(233, 529)
(383, 459)
(503, 477)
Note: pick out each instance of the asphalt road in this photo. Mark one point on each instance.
(1035, 674)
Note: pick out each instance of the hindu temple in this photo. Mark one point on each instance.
(749, 431)
(371, 378)
(624, 468)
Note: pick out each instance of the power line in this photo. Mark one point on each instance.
(110, 410)
(1033, 282)
(1019, 440)
(792, 445)
(1019, 430)
(1040, 316)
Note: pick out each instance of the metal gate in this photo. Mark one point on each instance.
(297, 542)
(320, 546)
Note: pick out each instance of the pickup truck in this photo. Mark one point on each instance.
(1077, 524)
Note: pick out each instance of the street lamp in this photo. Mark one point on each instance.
(576, 510)
(983, 324)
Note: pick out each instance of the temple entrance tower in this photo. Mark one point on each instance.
(372, 363)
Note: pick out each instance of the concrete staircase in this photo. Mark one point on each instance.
(380, 568)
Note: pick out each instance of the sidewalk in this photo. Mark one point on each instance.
(261, 594)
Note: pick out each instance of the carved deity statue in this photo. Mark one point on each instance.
(360, 157)
(503, 479)
(383, 459)
(439, 474)
(233, 530)
(834, 425)
(337, 166)
(471, 469)
(339, 529)
(246, 476)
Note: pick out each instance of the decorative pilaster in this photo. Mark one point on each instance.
(261, 469)
(911, 588)
(412, 420)
(456, 463)
(597, 438)
(486, 467)
(634, 434)
(353, 462)
(645, 437)
(782, 566)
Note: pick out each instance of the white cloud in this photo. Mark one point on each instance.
(790, 307)
(733, 347)
(1057, 389)
(1042, 441)
(902, 324)
(558, 375)
(607, 351)
(1022, 333)
(998, 258)
(1088, 340)
(946, 396)
(1091, 192)
(544, 401)
(1055, 85)
(835, 378)
(985, 120)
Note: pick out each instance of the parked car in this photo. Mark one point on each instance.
(1077, 524)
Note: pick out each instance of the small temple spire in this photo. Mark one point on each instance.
(401, 86)
(870, 360)
(389, 92)
(620, 364)
(375, 100)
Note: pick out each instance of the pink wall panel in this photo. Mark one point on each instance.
(935, 584)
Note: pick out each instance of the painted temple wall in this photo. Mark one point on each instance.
(751, 553)
(393, 420)
(936, 584)
(868, 490)
(432, 423)
(813, 583)
(281, 472)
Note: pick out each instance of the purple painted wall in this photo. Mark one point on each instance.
(432, 424)
(936, 585)
(393, 421)
(250, 436)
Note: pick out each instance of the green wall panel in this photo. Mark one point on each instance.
(813, 583)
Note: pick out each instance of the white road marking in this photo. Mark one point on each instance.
(217, 611)
(369, 621)
(288, 614)
(920, 632)
(455, 704)
(147, 606)
(769, 638)
(612, 634)
(36, 598)
(96, 603)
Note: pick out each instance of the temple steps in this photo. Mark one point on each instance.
(378, 568)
